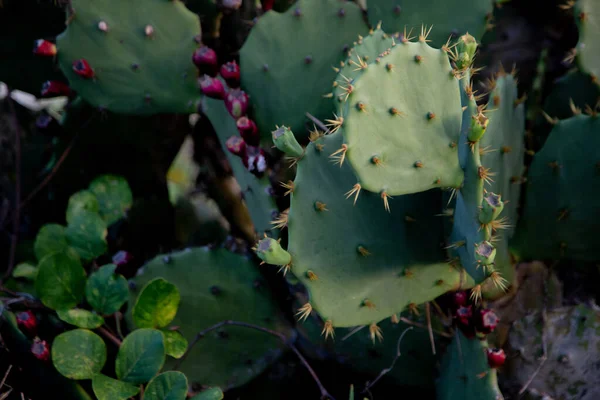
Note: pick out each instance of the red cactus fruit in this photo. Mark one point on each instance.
(40, 349)
(236, 145)
(486, 321)
(212, 87)
(44, 48)
(255, 160)
(205, 60)
(27, 322)
(122, 258)
(496, 357)
(464, 314)
(267, 5)
(83, 69)
(55, 88)
(236, 103)
(460, 298)
(248, 130)
(231, 73)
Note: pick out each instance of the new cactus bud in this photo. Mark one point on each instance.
(496, 357)
(248, 130)
(205, 60)
(231, 73)
(27, 322)
(236, 103)
(83, 69)
(44, 48)
(40, 349)
(486, 321)
(270, 251)
(485, 253)
(491, 207)
(55, 88)
(479, 124)
(460, 298)
(284, 140)
(212, 87)
(467, 46)
(122, 258)
(236, 145)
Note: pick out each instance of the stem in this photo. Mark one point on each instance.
(419, 325)
(283, 338)
(118, 317)
(109, 336)
(317, 122)
(429, 328)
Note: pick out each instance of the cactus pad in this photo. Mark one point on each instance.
(286, 62)
(403, 123)
(561, 217)
(359, 263)
(217, 285)
(588, 48)
(449, 17)
(140, 53)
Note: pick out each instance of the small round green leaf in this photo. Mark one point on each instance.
(175, 343)
(81, 318)
(114, 197)
(106, 388)
(141, 356)
(156, 305)
(60, 281)
(106, 291)
(82, 200)
(209, 394)
(78, 354)
(171, 385)
(86, 233)
(50, 239)
(25, 270)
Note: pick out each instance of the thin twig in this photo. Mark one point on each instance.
(324, 393)
(420, 325)
(17, 214)
(532, 377)
(386, 370)
(429, 327)
(352, 332)
(318, 122)
(118, 317)
(542, 359)
(110, 336)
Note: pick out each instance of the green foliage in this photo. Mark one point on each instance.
(84, 200)
(175, 343)
(86, 233)
(156, 305)
(106, 291)
(106, 388)
(141, 55)
(465, 373)
(78, 354)
(209, 394)
(448, 17)
(50, 238)
(141, 356)
(25, 270)
(216, 285)
(284, 52)
(170, 385)
(81, 318)
(114, 197)
(60, 282)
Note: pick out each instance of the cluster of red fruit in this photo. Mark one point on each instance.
(474, 321)
(27, 323)
(247, 147)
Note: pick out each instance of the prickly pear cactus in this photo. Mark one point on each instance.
(587, 13)
(465, 373)
(568, 339)
(217, 285)
(561, 216)
(403, 120)
(359, 263)
(256, 191)
(286, 62)
(448, 17)
(132, 57)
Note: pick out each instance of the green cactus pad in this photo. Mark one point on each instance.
(588, 48)
(257, 197)
(465, 373)
(561, 216)
(361, 252)
(141, 60)
(403, 122)
(448, 17)
(216, 285)
(286, 62)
